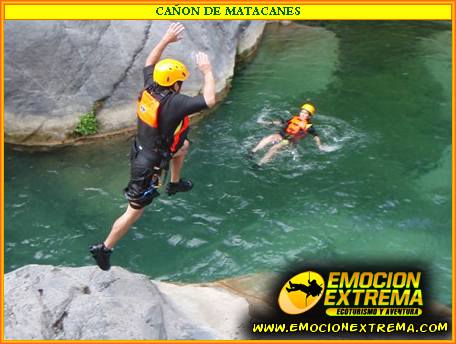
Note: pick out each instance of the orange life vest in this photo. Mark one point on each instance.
(148, 110)
(296, 125)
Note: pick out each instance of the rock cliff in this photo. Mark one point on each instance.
(46, 302)
(56, 71)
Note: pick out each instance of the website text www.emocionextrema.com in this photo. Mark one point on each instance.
(399, 327)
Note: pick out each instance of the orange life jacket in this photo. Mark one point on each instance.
(148, 110)
(296, 125)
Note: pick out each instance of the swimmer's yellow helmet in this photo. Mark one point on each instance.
(169, 71)
(310, 108)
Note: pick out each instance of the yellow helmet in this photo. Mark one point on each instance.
(168, 71)
(310, 108)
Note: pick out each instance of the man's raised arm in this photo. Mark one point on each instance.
(202, 60)
(171, 35)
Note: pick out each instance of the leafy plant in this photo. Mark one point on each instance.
(88, 124)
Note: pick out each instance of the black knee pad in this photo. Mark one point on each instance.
(135, 205)
(140, 201)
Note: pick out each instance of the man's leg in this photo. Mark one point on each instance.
(266, 140)
(178, 161)
(102, 252)
(122, 225)
(177, 184)
(272, 151)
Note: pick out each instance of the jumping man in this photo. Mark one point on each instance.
(161, 138)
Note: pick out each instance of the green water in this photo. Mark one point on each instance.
(383, 191)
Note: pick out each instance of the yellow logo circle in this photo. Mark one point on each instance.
(301, 292)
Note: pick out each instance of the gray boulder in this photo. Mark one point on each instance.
(55, 71)
(46, 302)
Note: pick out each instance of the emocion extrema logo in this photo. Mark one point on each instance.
(301, 292)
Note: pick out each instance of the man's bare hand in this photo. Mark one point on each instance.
(173, 34)
(203, 63)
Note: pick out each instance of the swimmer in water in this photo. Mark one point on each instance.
(293, 130)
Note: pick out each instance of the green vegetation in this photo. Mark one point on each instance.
(88, 124)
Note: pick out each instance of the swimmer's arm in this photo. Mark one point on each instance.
(261, 121)
(318, 142)
(314, 133)
(319, 145)
(171, 35)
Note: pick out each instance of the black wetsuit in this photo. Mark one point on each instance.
(151, 145)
